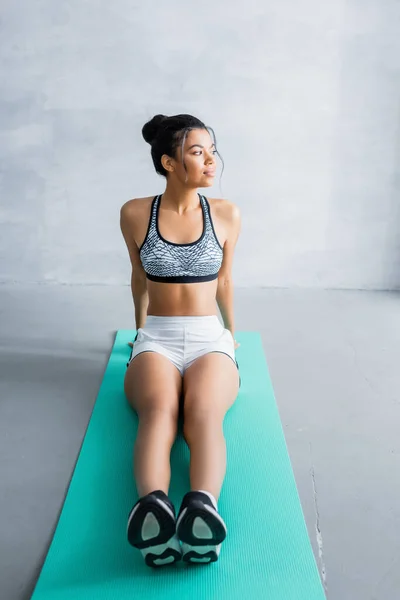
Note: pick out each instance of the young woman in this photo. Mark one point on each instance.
(181, 247)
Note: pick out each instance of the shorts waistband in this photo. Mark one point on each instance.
(161, 321)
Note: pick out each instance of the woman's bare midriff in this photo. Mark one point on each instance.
(188, 299)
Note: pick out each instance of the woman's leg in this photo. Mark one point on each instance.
(153, 388)
(210, 387)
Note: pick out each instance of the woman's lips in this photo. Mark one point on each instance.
(209, 173)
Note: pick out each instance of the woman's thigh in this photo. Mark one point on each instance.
(210, 384)
(152, 382)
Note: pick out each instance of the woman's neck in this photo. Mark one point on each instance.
(180, 200)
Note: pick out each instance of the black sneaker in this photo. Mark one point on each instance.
(151, 529)
(200, 528)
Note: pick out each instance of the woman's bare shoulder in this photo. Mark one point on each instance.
(137, 204)
(135, 214)
(223, 207)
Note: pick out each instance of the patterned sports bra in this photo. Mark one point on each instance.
(169, 262)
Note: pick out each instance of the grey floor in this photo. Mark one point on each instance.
(334, 362)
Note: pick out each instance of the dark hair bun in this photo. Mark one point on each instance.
(151, 128)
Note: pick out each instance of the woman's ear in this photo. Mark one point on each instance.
(166, 162)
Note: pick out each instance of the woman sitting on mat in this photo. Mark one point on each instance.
(181, 247)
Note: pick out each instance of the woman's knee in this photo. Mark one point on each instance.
(158, 411)
(197, 421)
(158, 421)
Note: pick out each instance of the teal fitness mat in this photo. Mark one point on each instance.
(267, 553)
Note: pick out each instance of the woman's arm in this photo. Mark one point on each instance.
(225, 284)
(138, 277)
(140, 299)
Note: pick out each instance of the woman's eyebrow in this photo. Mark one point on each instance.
(200, 146)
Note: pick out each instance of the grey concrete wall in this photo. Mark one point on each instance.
(304, 100)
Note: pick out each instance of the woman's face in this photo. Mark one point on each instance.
(199, 156)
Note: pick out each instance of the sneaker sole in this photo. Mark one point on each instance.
(151, 529)
(164, 554)
(200, 554)
(201, 531)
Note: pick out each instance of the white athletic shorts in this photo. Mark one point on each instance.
(182, 339)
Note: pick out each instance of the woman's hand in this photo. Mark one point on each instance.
(131, 343)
